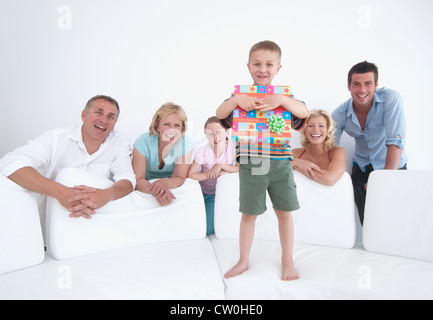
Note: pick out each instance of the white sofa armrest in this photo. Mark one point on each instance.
(21, 241)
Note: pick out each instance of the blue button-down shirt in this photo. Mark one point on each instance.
(385, 126)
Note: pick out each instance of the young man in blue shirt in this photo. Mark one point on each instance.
(375, 119)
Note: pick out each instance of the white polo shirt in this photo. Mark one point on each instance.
(64, 148)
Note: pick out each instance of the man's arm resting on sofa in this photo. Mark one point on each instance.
(32, 180)
(80, 201)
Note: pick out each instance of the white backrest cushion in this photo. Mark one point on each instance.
(21, 241)
(134, 220)
(327, 214)
(227, 216)
(326, 217)
(399, 214)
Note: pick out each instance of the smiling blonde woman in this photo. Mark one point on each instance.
(319, 159)
(163, 153)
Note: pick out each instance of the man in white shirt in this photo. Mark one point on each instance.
(94, 147)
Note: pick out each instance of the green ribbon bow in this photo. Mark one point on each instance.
(276, 124)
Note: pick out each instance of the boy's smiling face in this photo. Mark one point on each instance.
(263, 66)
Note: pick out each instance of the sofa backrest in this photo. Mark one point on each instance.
(134, 220)
(326, 217)
(399, 214)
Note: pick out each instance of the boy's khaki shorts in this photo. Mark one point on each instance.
(256, 175)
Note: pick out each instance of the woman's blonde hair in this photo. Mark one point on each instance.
(330, 132)
(162, 112)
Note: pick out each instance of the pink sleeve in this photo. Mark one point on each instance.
(199, 155)
(231, 152)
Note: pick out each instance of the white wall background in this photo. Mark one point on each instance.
(55, 55)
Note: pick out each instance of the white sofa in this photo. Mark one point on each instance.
(133, 249)
(396, 263)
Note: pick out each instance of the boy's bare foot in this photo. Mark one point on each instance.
(288, 271)
(236, 270)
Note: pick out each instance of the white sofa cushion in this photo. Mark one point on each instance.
(175, 271)
(318, 267)
(370, 276)
(326, 216)
(399, 214)
(134, 220)
(21, 241)
(324, 273)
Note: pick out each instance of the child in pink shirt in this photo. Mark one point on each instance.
(213, 159)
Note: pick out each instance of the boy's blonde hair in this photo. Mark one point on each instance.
(162, 112)
(265, 45)
(330, 132)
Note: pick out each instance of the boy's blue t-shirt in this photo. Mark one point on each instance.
(147, 145)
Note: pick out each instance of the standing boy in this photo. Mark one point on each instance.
(272, 174)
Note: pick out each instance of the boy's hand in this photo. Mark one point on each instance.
(247, 103)
(271, 102)
(297, 108)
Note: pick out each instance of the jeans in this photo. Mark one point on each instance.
(359, 179)
(209, 201)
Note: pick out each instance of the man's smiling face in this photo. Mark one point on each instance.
(99, 120)
(362, 89)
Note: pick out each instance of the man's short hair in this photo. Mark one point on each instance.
(363, 67)
(89, 103)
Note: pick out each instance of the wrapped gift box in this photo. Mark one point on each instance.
(251, 127)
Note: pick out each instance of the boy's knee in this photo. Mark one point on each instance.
(249, 217)
(283, 214)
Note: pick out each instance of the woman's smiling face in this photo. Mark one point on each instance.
(170, 128)
(316, 130)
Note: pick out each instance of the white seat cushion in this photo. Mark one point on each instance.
(324, 273)
(134, 220)
(318, 267)
(399, 214)
(21, 241)
(175, 271)
(372, 276)
(326, 216)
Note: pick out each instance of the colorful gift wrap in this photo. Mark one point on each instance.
(272, 128)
